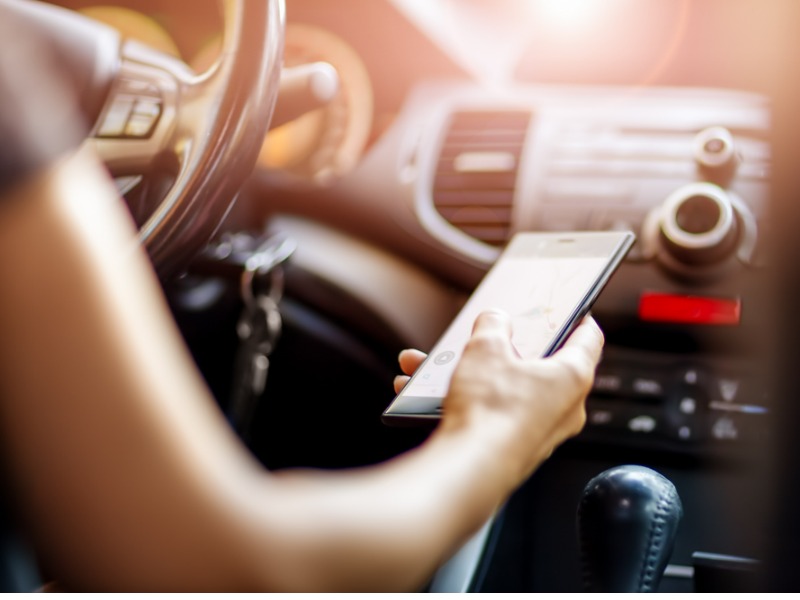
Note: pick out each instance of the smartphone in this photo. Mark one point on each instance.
(547, 282)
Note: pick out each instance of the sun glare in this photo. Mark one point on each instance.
(569, 14)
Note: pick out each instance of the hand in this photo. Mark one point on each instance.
(524, 407)
(409, 360)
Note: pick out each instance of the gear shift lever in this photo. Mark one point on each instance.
(627, 520)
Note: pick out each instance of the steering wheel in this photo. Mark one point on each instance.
(150, 108)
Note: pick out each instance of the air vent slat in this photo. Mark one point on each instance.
(476, 174)
(477, 215)
(472, 137)
(451, 151)
(490, 198)
(490, 235)
(466, 181)
(486, 120)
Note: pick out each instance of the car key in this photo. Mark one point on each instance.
(258, 329)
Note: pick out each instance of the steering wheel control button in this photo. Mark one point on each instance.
(130, 117)
(116, 117)
(140, 126)
(139, 88)
(147, 107)
(444, 357)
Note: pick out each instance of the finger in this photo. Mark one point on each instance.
(491, 332)
(410, 360)
(585, 344)
(493, 321)
(400, 382)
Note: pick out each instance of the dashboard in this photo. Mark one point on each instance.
(674, 145)
(467, 162)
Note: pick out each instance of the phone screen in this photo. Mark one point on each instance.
(545, 281)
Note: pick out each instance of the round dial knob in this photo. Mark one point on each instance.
(716, 155)
(699, 225)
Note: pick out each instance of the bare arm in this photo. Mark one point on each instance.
(504, 416)
(127, 473)
(132, 480)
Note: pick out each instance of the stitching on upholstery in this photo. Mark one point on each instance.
(586, 571)
(655, 540)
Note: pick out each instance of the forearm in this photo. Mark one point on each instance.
(131, 476)
(121, 460)
(380, 528)
(128, 472)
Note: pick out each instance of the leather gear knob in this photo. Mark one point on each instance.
(627, 520)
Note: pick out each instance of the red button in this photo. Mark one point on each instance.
(697, 310)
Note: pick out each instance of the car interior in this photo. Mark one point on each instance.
(321, 184)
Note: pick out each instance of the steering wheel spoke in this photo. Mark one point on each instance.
(139, 117)
(145, 105)
(207, 127)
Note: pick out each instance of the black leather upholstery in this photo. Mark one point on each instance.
(18, 570)
(627, 519)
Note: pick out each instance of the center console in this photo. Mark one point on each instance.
(681, 387)
(686, 169)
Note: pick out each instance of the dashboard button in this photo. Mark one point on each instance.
(600, 417)
(729, 388)
(690, 375)
(687, 405)
(648, 387)
(724, 428)
(686, 433)
(643, 424)
(608, 383)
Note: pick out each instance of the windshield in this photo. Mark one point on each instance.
(639, 42)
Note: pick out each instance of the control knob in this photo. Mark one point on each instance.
(698, 230)
(716, 155)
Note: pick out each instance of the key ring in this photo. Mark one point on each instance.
(264, 260)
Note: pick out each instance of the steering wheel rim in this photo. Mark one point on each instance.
(213, 123)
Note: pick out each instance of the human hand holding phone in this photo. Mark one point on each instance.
(409, 359)
(521, 407)
(547, 282)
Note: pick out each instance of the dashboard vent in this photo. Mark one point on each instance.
(477, 172)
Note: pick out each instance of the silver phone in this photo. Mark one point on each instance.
(547, 282)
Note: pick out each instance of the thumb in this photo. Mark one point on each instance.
(493, 323)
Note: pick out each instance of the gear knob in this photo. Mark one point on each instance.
(627, 520)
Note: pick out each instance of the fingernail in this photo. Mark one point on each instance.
(497, 313)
